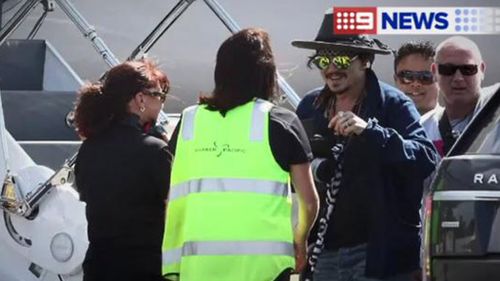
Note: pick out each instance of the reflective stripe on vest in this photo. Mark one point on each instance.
(228, 185)
(259, 113)
(229, 208)
(220, 248)
(188, 122)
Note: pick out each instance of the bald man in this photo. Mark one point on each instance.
(459, 70)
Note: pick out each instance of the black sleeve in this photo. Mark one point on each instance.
(288, 139)
(78, 183)
(161, 171)
(172, 143)
(78, 171)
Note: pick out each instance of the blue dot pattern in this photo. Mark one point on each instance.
(470, 19)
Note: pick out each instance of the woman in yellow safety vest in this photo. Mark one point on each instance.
(229, 214)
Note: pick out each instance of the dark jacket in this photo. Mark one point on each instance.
(123, 175)
(384, 168)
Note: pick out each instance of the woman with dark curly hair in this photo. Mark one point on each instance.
(122, 173)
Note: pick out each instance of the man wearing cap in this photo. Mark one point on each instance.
(373, 155)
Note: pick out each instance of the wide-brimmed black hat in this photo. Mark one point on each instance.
(326, 39)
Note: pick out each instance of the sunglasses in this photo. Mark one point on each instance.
(160, 94)
(451, 69)
(408, 77)
(322, 62)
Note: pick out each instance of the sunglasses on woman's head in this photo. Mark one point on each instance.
(450, 69)
(322, 62)
(408, 77)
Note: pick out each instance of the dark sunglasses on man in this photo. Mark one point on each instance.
(449, 69)
(408, 77)
(161, 94)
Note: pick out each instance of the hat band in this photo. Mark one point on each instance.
(360, 42)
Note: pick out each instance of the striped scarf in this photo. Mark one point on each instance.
(331, 195)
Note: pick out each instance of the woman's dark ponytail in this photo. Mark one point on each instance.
(99, 105)
(92, 113)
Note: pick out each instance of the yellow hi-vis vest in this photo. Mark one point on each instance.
(229, 212)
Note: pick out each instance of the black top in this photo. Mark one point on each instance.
(123, 175)
(349, 221)
(287, 138)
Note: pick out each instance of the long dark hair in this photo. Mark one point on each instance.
(101, 104)
(244, 70)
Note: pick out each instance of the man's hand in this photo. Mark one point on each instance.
(347, 123)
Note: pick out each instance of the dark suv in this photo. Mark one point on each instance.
(462, 220)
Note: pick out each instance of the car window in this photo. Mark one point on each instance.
(484, 138)
(491, 143)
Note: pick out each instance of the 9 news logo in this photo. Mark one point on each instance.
(355, 20)
(416, 20)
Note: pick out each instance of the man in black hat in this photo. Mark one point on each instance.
(372, 154)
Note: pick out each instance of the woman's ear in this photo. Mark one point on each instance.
(137, 103)
(139, 99)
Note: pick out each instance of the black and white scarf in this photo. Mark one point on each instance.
(331, 195)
